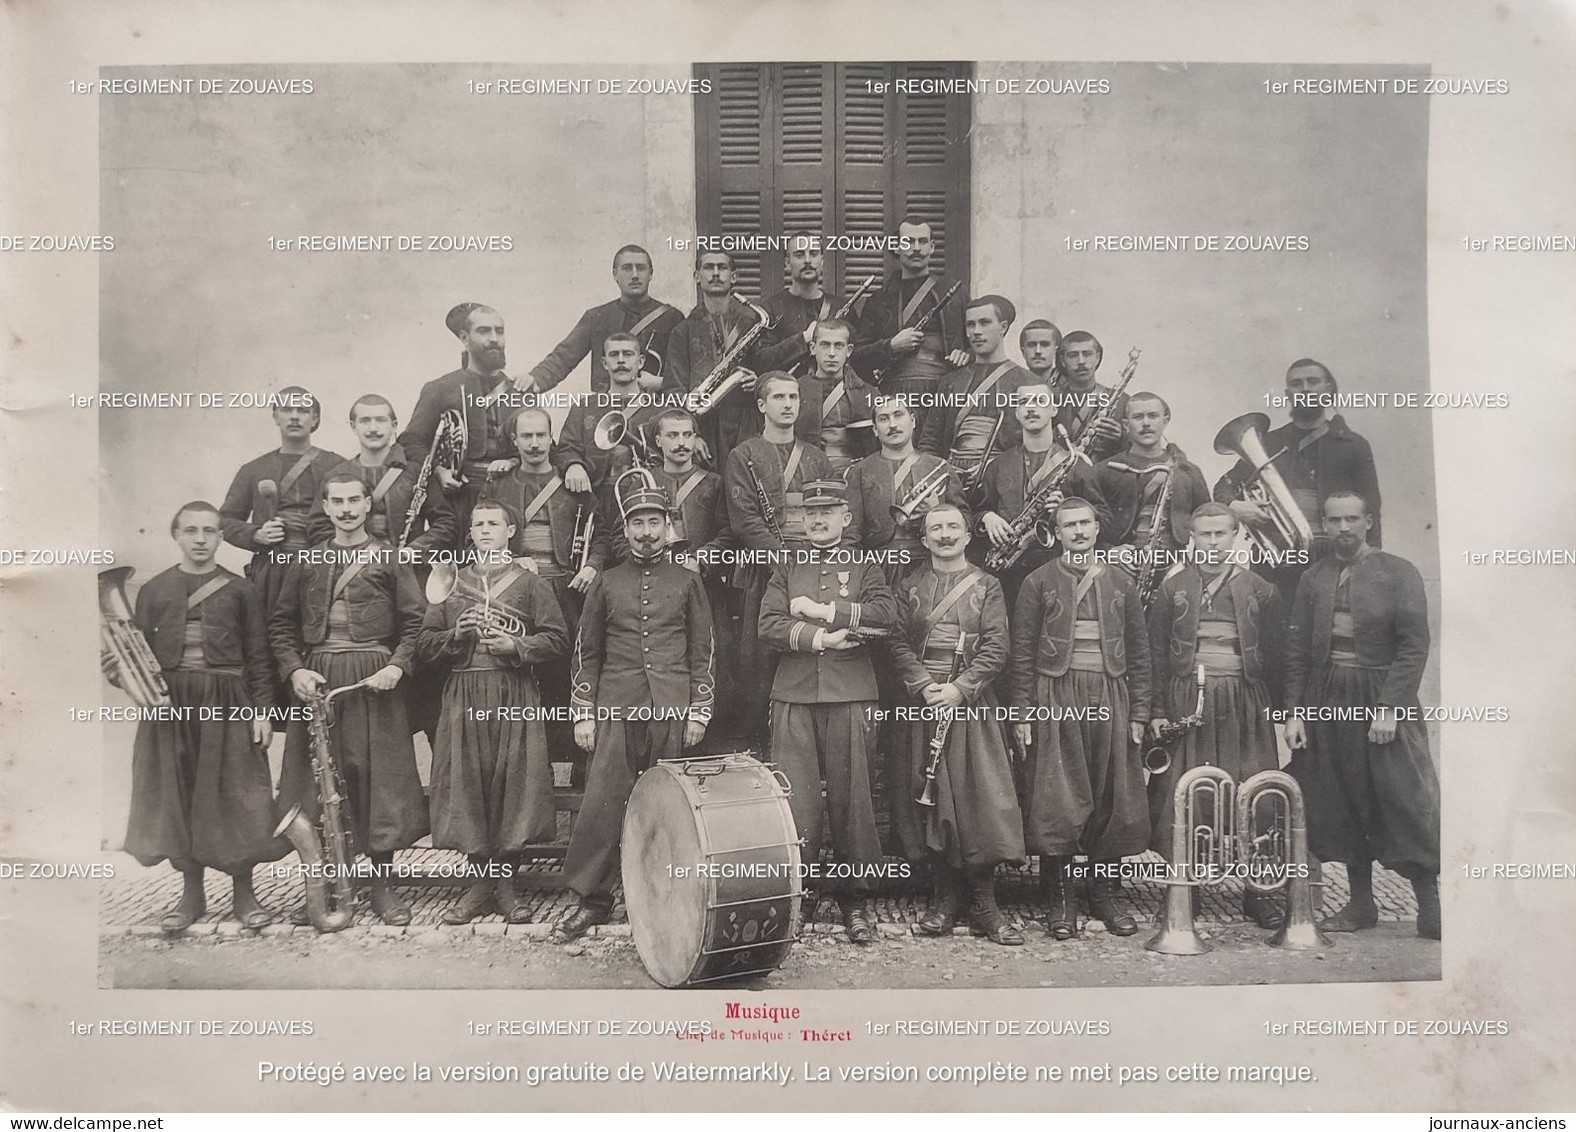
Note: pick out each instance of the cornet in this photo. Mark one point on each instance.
(921, 497)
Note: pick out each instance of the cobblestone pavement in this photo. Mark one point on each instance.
(135, 900)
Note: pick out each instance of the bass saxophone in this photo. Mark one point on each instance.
(723, 378)
(330, 900)
(447, 451)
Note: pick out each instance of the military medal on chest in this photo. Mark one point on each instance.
(842, 582)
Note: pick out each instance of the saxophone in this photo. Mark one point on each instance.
(1149, 570)
(723, 378)
(330, 901)
(1030, 524)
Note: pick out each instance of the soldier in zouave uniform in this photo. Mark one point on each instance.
(349, 613)
(1013, 477)
(980, 395)
(892, 354)
(272, 500)
(492, 787)
(1216, 616)
(633, 312)
(1040, 343)
(778, 465)
(477, 391)
(584, 465)
(1357, 642)
(390, 480)
(712, 329)
(834, 404)
(795, 310)
(951, 644)
(1133, 481)
(823, 695)
(644, 642)
(1082, 401)
(547, 516)
(201, 795)
(1080, 648)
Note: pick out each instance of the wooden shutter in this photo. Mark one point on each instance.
(782, 147)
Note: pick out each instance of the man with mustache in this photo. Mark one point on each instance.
(547, 517)
(584, 465)
(795, 310)
(1081, 649)
(201, 795)
(912, 362)
(1081, 400)
(273, 499)
(1316, 454)
(824, 693)
(1133, 481)
(349, 613)
(977, 397)
(1358, 641)
(633, 312)
(1219, 618)
(644, 642)
(834, 404)
(476, 391)
(1040, 343)
(951, 644)
(776, 465)
(492, 785)
(1013, 478)
(390, 480)
(710, 332)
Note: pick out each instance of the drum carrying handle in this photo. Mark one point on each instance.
(782, 781)
(705, 768)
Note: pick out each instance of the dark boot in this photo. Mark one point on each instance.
(390, 907)
(477, 902)
(859, 921)
(1061, 911)
(1360, 912)
(946, 901)
(985, 918)
(1104, 904)
(1429, 914)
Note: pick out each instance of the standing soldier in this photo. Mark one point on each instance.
(893, 353)
(644, 643)
(551, 525)
(1091, 413)
(272, 500)
(1217, 622)
(974, 421)
(1358, 643)
(492, 787)
(585, 465)
(824, 694)
(1133, 483)
(796, 309)
(1080, 649)
(633, 312)
(349, 613)
(476, 392)
(950, 645)
(834, 404)
(766, 477)
(201, 796)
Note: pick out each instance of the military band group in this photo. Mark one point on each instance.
(854, 536)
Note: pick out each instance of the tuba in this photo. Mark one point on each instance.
(325, 849)
(1288, 529)
(1214, 829)
(137, 669)
(922, 495)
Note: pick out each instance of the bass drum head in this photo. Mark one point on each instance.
(667, 913)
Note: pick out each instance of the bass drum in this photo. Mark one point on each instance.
(711, 870)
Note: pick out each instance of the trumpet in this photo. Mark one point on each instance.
(325, 848)
(1213, 829)
(1157, 759)
(585, 531)
(724, 378)
(137, 669)
(938, 738)
(921, 497)
(1288, 528)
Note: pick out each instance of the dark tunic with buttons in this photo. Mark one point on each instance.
(589, 334)
(875, 485)
(1086, 663)
(483, 405)
(201, 792)
(492, 787)
(975, 822)
(917, 372)
(245, 508)
(436, 526)
(373, 623)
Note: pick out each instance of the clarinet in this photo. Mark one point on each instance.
(768, 512)
(938, 740)
(922, 324)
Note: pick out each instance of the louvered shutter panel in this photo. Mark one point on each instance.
(734, 194)
(805, 172)
(932, 163)
(865, 191)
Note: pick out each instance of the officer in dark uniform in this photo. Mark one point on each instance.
(644, 642)
(822, 726)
